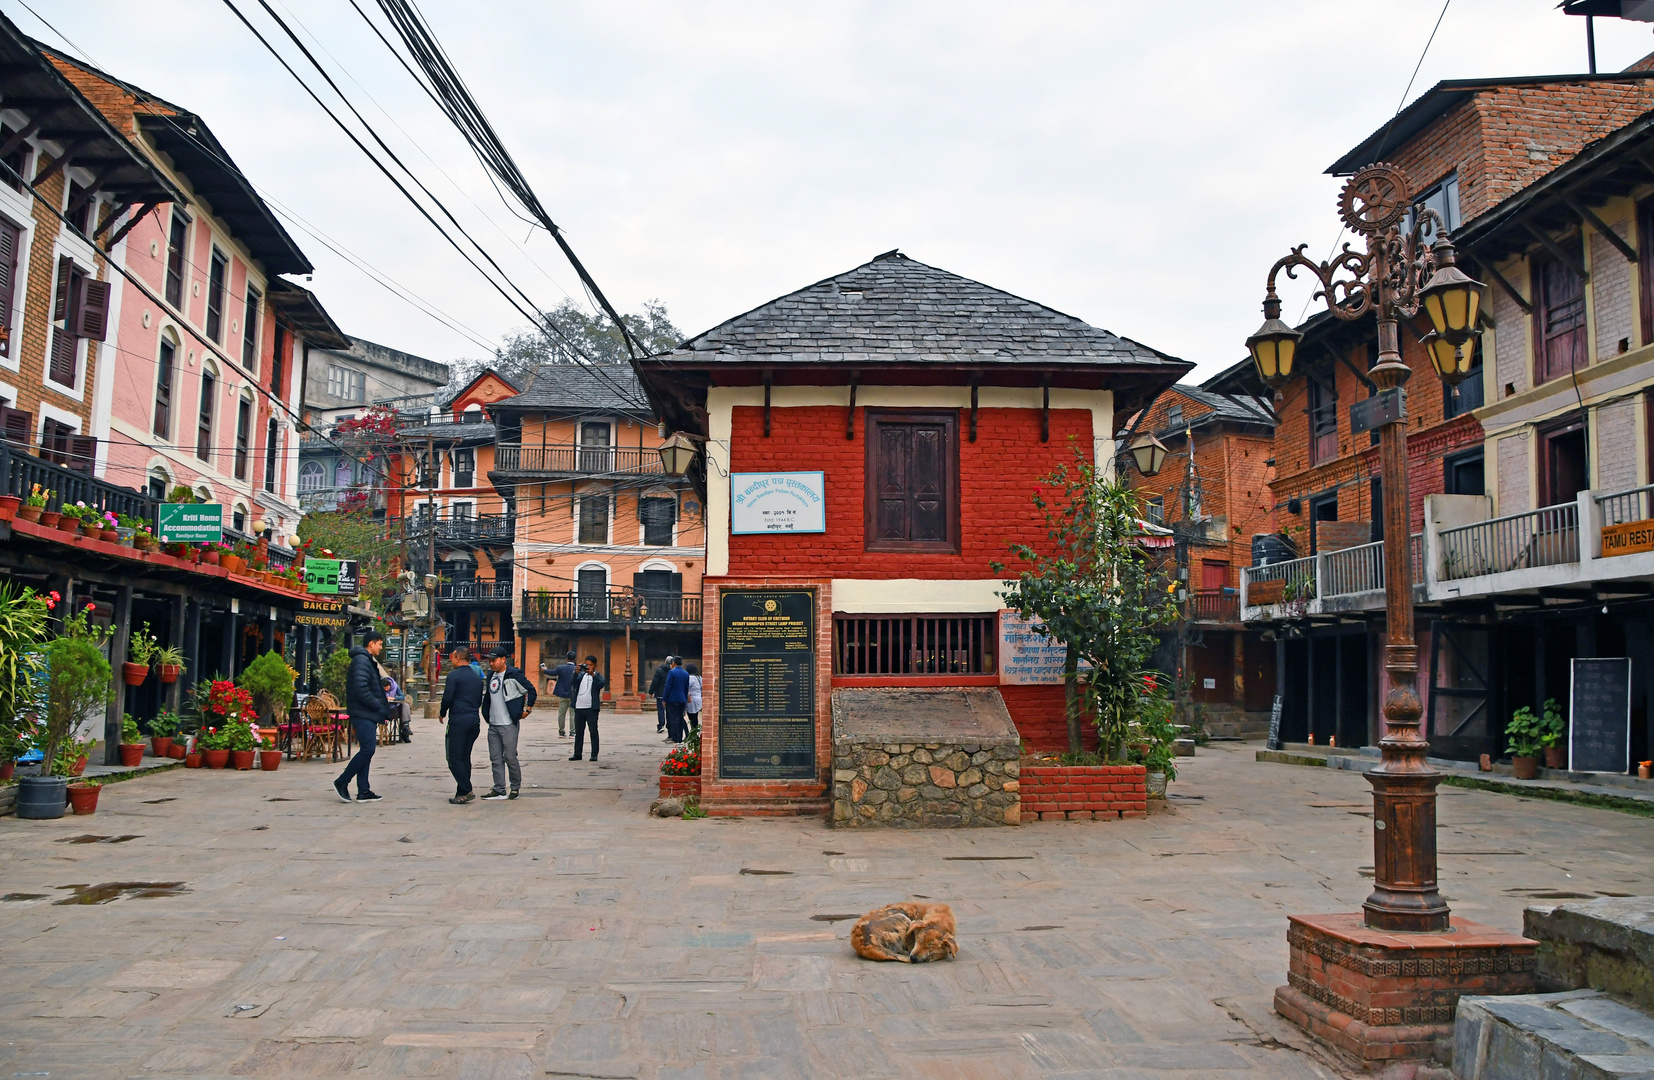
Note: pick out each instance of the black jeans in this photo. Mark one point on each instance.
(367, 741)
(660, 713)
(674, 721)
(583, 719)
(462, 735)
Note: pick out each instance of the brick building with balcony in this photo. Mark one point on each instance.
(1517, 480)
(608, 550)
(873, 443)
(1213, 492)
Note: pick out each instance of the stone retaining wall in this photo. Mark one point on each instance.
(680, 787)
(925, 785)
(1103, 792)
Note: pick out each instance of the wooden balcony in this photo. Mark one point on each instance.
(608, 609)
(517, 459)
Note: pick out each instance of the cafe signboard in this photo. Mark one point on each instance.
(1628, 538)
(339, 576)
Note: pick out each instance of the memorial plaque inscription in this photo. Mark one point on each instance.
(766, 684)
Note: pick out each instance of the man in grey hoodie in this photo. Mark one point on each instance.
(507, 694)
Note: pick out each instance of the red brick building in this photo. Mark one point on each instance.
(873, 443)
(1213, 492)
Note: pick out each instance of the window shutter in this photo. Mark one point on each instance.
(10, 235)
(15, 425)
(891, 476)
(94, 310)
(912, 464)
(927, 516)
(83, 453)
(62, 368)
(60, 308)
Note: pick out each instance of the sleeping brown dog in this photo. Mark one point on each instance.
(911, 933)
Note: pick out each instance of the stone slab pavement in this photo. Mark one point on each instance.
(255, 926)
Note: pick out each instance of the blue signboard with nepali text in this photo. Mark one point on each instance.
(779, 502)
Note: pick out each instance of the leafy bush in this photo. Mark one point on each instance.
(1529, 735)
(270, 682)
(141, 646)
(78, 682)
(23, 615)
(241, 737)
(684, 760)
(166, 724)
(129, 730)
(335, 667)
(214, 739)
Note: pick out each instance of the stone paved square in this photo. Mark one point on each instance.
(569, 934)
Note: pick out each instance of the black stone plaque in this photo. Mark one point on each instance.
(766, 684)
(1599, 723)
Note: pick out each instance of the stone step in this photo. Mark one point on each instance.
(1183, 747)
(1574, 1035)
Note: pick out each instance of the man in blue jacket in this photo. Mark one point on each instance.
(462, 704)
(506, 696)
(676, 693)
(365, 701)
(561, 679)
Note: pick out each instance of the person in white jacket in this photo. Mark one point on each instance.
(694, 709)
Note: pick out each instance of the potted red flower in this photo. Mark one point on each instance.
(243, 744)
(215, 747)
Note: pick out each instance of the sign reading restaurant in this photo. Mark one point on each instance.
(1628, 538)
(191, 523)
(793, 502)
(322, 613)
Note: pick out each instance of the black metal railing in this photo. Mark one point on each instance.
(22, 471)
(479, 649)
(474, 592)
(610, 607)
(914, 645)
(576, 460)
(484, 529)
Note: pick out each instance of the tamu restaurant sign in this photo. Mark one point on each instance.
(322, 613)
(1627, 539)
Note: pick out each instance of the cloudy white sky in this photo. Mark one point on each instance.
(1139, 165)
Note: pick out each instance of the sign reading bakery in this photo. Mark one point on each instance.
(779, 502)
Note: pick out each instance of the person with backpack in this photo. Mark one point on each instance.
(506, 696)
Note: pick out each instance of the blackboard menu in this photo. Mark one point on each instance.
(1274, 742)
(1599, 727)
(766, 684)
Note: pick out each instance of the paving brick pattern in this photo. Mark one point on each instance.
(569, 934)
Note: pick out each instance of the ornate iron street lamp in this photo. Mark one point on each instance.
(1148, 454)
(1391, 280)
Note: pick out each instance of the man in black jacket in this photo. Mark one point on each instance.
(461, 703)
(657, 690)
(561, 679)
(365, 701)
(507, 695)
(588, 699)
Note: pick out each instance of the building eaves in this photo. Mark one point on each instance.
(451, 433)
(1440, 100)
(68, 119)
(302, 311)
(198, 155)
(447, 398)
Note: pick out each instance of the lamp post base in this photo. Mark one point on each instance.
(1381, 997)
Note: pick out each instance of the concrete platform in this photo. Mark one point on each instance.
(1577, 1035)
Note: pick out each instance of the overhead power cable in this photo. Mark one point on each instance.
(450, 93)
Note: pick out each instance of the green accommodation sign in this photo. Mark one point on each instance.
(337, 576)
(191, 523)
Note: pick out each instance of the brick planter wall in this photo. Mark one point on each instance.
(680, 787)
(1103, 792)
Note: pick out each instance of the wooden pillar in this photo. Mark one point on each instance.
(1237, 663)
(192, 646)
(226, 665)
(117, 653)
(175, 636)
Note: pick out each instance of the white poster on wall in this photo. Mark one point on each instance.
(785, 502)
(1027, 658)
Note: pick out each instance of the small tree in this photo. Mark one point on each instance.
(335, 669)
(1094, 590)
(23, 621)
(79, 680)
(270, 681)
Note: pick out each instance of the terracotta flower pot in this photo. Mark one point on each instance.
(232, 563)
(6, 769)
(1525, 768)
(49, 519)
(8, 506)
(269, 760)
(161, 745)
(132, 754)
(83, 798)
(192, 761)
(68, 524)
(217, 759)
(30, 513)
(210, 556)
(242, 759)
(1642, 773)
(110, 536)
(169, 673)
(134, 674)
(177, 752)
(79, 766)
(1556, 757)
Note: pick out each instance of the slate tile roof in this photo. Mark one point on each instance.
(580, 388)
(1241, 409)
(449, 431)
(897, 309)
